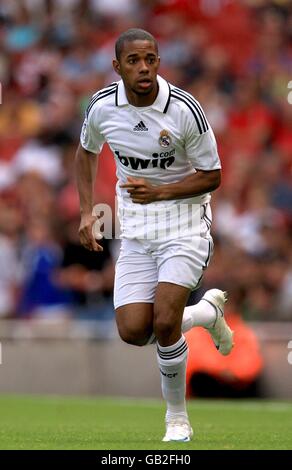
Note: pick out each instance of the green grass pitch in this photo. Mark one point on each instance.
(102, 423)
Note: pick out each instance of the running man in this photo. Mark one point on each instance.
(167, 165)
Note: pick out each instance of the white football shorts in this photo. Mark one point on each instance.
(142, 264)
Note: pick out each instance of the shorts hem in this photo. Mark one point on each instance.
(181, 284)
(136, 301)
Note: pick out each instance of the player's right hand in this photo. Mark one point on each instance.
(86, 233)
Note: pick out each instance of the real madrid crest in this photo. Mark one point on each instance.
(164, 139)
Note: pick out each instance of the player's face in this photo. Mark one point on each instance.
(138, 66)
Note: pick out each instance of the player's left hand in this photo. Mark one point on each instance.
(140, 190)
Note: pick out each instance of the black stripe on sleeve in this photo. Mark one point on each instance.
(116, 97)
(168, 101)
(196, 105)
(210, 221)
(99, 96)
(103, 90)
(207, 223)
(180, 98)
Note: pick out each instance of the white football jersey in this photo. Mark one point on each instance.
(163, 143)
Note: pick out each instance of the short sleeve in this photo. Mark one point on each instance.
(200, 143)
(90, 137)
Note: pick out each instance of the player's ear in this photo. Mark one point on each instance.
(116, 66)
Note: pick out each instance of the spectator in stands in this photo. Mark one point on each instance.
(41, 296)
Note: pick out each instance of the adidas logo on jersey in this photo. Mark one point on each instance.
(140, 127)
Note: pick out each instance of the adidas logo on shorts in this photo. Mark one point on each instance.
(140, 127)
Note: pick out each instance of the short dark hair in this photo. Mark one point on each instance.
(130, 35)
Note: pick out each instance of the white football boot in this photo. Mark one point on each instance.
(221, 334)
(178, 429)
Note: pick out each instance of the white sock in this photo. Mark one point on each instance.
(200, 314)
(172, 362)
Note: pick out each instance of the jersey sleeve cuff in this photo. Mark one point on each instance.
(88, 149)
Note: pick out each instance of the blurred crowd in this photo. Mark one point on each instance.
(235, 57)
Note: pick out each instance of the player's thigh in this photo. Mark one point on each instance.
(134, 291)
(135, 322)
(170, 301)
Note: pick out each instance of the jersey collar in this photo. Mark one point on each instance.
(160, 104)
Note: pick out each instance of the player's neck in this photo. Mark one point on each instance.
(141, 101)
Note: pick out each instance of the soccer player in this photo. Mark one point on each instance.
(167, 165)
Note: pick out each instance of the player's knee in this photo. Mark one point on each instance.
(132, 336)
(165, 321)
(163, 327)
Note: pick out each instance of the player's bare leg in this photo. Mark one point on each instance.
(172, 351)
(135, 323)
(208, 313)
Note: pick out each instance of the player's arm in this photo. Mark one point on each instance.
(196, 184)
(201, 182)
(85, 168)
